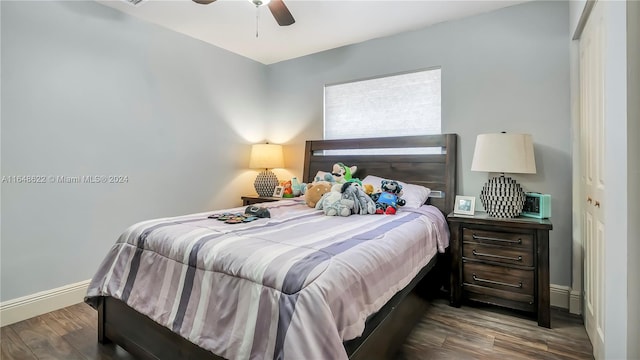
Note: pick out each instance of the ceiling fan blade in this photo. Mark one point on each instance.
(204, 2)
(280, 13)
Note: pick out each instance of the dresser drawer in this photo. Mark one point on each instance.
(499, 254)
(523, 302)
(501, 261)
(498, 277)
(511, 240)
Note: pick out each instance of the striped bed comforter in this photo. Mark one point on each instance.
(292, 286)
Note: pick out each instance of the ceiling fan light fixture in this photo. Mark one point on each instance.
(278, 9)
(260, 2)
(133, 2)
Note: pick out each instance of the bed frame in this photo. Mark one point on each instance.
(386, 330)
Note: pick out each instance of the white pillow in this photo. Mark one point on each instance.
(414, 195)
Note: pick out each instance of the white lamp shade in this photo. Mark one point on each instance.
(504, 153)
(266, 156)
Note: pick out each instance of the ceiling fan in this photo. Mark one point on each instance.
(278, 10)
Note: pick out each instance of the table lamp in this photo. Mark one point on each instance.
(503, 153)
(266, 156)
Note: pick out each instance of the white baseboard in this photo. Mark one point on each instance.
(26, 307)
(575, 302)
(559, 296)
(566, 298)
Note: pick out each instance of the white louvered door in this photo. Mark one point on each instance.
(592, 130)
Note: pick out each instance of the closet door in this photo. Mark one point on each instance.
(592, 130)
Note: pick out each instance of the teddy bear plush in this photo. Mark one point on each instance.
(333, 204)
(388, 198)
(314, 192)
(362, 203)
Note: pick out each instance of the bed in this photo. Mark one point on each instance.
(335, 285)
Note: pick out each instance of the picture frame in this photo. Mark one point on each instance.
(464, 205)
(278, 191)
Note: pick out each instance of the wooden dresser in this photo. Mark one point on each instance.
(500, 261)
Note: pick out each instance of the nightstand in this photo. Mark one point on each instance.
(502, 262)
(254, 199)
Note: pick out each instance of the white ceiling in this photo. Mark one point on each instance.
(320, 24)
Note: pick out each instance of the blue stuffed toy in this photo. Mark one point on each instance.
(333, 204)
(389, 198)
(362, 203)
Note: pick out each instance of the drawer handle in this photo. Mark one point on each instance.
(475, 278)
(519, 258)
(476, 237)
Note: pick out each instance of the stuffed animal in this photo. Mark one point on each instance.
(368, 189)
(288, 190)
(362, 203)
(330, 178)
(340, 174)
(314, 192)
(324, 176)
(296, 186)
(343, 173)
(389, 197)
(332, 203)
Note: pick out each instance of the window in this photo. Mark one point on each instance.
(396, 105)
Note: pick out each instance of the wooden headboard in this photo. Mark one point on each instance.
(437, 170)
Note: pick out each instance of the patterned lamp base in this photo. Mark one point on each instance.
(265, 183)
(502, 197)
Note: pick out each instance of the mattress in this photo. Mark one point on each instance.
(295, 285)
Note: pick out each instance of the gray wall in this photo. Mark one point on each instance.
(87, 90)
(507, 70)
(633, 168)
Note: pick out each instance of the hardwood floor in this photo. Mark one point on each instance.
(444, 332)
(488, 332)
(69, 333)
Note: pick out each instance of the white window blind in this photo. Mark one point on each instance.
(397, 105)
